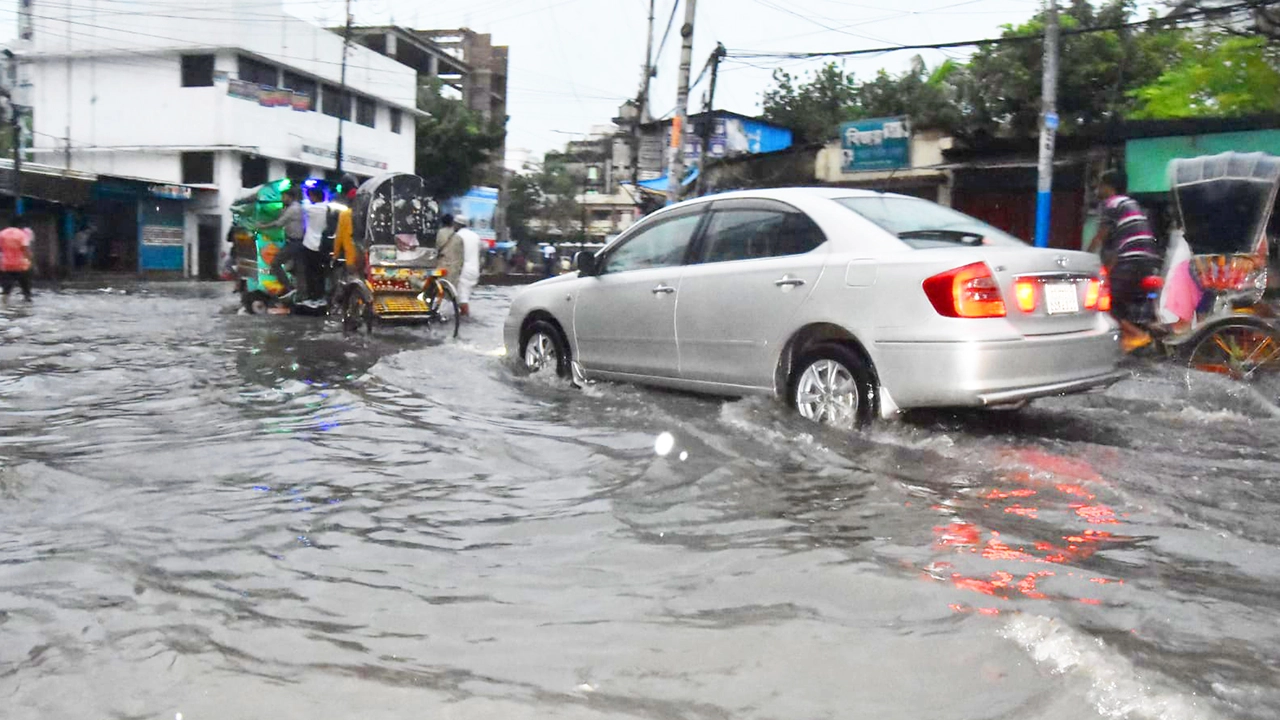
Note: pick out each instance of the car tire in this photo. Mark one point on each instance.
(832, 385)
(543, 344)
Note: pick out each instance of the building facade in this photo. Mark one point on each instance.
(193, 107)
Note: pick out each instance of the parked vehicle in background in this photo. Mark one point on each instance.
(849, 304)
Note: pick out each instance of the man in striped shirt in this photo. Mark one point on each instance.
(1130, 252)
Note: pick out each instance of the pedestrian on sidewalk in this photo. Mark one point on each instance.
(15, 258)
(470, 274)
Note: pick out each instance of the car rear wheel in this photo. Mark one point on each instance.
(832, 386)
(544, 348)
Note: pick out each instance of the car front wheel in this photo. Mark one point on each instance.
(544, 348)
(832, 386)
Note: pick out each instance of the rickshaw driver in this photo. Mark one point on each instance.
(1130, 253)
(344, 245)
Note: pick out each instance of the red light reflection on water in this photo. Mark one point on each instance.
(1048, 473)
(1096, 514)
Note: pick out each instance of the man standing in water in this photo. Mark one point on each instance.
(15, 259)
(448, 249)
(470, 274)
(1130, 252)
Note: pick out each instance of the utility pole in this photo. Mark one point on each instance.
(675, 169)
(1048, 125)
(342, 92)
(10, 92)
(642, 104)
(708, 124)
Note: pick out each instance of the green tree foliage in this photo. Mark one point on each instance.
(1154, 70)
(812, 108)
(543, 204)
(1096, 70)
(454, 144)
(1219, 75)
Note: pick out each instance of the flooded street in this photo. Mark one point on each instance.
(229, 516)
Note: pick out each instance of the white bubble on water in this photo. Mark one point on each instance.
(665, 443)
(684, 455)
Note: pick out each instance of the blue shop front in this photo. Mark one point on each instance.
(140, 227)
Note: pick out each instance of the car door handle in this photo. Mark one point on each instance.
(663, 290)
(788, 281)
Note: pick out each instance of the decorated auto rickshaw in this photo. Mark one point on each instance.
(393, 224)
(254, 247)
(1216, 288)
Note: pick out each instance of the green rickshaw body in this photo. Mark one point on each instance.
(256, 247)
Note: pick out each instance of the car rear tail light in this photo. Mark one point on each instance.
(1097, 294)
(1024, 291)
(965, 292)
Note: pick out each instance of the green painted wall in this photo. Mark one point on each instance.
(1147, 160)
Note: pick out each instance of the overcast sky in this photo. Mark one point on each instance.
(572, 62)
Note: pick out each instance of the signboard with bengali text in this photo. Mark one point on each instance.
(875, 144)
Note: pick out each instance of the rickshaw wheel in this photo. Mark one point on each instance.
(1241, 349)
(444, 307)
(356, 311)
(255, 303)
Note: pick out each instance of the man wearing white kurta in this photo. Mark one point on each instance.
(470, 261)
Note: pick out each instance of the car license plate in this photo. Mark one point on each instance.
(1061, 298)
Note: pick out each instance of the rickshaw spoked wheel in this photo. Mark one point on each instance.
(357, 310)
(444, 306)
(1242, 348)
(255, 303)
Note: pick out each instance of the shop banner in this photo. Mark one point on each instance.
(875, 144)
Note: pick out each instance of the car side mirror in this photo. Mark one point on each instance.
(587, 263)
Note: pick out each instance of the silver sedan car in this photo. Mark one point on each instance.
(849, 304)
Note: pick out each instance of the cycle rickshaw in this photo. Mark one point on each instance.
(1223, 204)
(393, 225)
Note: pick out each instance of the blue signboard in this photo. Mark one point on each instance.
(875, 144)
(480, 204)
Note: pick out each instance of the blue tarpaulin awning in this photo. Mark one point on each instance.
(662, 184)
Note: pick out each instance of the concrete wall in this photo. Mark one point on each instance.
(115, 91)
(112, 104)
(90, 27)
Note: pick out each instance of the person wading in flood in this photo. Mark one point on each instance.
(448, 249)
(15, 259)
(470, 275)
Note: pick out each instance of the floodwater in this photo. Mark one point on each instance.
(212, 515)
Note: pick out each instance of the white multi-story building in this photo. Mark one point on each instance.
(179, 105)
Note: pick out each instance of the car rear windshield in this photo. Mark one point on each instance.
(922, 224)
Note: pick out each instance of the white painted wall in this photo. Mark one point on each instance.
(108, 77)
(95, 27)
(112, 104)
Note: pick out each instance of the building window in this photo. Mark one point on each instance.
(593, 173)
(197, 168)
(253, 171)
(336, 104)
(258, 72)
(395, 121)
(300, 84)
(366, 111)
(197, 71)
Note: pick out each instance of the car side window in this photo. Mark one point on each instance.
(751, 233)
(660, 245)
